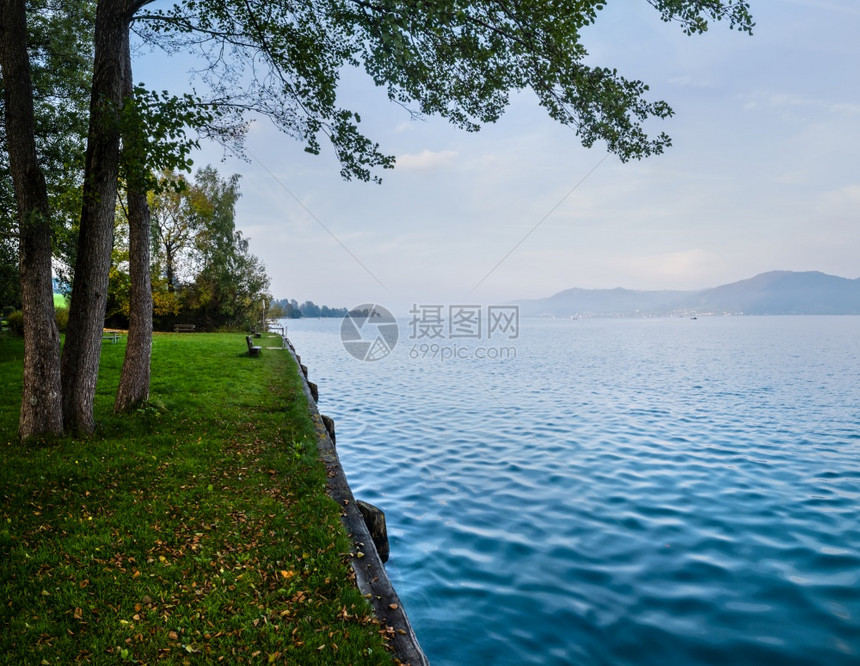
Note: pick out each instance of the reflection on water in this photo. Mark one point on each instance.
(621, 492)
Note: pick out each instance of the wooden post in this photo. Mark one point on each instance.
(328, 422)
(374, 518)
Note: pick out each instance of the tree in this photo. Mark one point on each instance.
(220, 282)
(139, 131)
(80, 358)
(455, 58)
(41, 62)
(118, 312)
(230, 284)
(59, 43)
(40, 402)
(134, 378)
(177, 213)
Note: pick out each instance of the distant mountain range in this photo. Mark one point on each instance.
(773, 293)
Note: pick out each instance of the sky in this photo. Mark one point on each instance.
(763, 175)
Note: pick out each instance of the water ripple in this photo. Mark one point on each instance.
(623, 492)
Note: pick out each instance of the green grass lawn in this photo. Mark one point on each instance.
(196, 530)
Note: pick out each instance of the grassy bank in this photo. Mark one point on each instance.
(196, 530)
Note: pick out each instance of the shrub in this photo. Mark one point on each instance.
(62, 317)
(16, 322)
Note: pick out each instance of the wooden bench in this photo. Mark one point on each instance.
(183, 328)
(110, 336)
(253, 350)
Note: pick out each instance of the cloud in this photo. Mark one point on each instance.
(684, 269)
(426, 160)
(793, 101)
(826, 6)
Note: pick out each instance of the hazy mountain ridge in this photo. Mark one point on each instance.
(775, 292)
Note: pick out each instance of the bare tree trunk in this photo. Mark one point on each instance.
(134, 381)
(41, 406)
(80, 360)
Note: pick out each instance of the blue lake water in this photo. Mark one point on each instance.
(626, 491)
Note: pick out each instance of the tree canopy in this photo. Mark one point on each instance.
(458, 59)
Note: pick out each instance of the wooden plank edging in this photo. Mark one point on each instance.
(371, 577)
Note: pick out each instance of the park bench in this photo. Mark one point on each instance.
(183, 328)
(253, 350)
(110, 336)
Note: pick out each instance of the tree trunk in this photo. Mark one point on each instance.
(168, 262)
(41, 406)
(80, 360)
(134, 381)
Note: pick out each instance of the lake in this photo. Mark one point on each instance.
(613, 491)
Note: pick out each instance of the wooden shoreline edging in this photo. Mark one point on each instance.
(371, 577)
